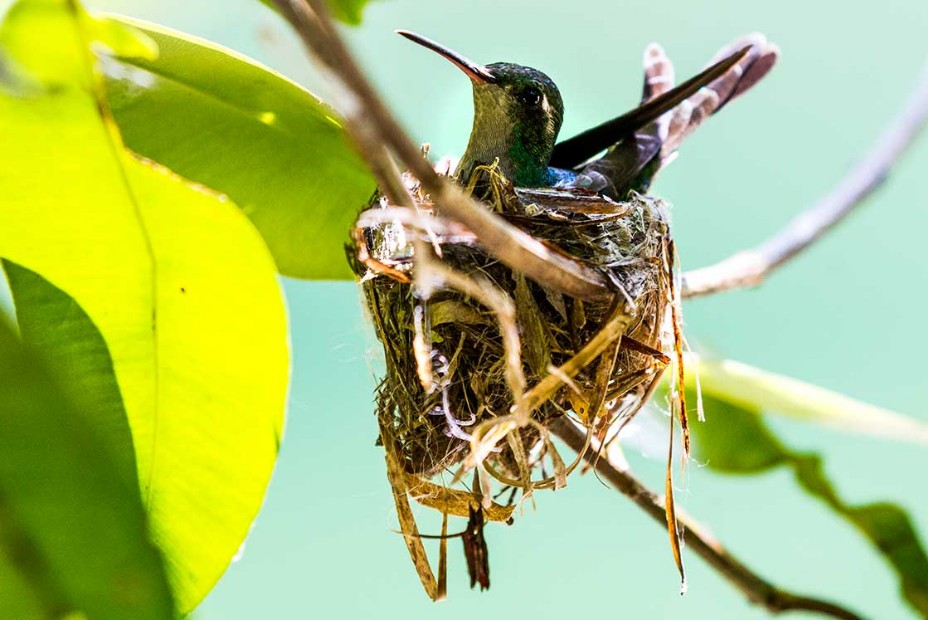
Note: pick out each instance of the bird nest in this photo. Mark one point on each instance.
(481, 362)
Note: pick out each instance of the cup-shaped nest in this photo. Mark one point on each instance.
(447, 369)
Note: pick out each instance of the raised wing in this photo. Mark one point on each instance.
(574, 151)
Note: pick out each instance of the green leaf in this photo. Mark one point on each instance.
(222, 120)
(72, 531)
(744, 447)
(18, 599)
(348, 11)
(177, 281)
(749, 387)
(735, 440)
(51, 322)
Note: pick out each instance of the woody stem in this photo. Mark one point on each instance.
(752, 585)
(750, 267)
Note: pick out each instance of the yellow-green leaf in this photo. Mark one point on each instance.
(177, 280)
(751, 387)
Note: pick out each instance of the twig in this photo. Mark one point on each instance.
(753, 586)
(371, 124)
(751, 267)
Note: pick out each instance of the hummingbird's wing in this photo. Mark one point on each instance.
(574, 151)
(634, 160)
(760, 60)
(739, 79)
(658, 72)
(624, 161)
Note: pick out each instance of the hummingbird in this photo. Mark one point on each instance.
(518, 112)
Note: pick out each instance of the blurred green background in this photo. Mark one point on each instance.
(848, 315)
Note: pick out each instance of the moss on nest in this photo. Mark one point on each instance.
(431, 425)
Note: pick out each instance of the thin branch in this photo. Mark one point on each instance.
(373, 127)
(371, 124)
(752, 585)
(751, 267)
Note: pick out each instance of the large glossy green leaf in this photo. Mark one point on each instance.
(222, 120)
(72, 529)
(735, 440)
(176, 279)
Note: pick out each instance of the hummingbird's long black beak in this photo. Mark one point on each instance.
(477, 73)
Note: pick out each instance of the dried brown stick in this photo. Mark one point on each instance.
(751, 267)
(752, 585)
(371, 123)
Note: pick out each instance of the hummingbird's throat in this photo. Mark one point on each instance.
(501, 133)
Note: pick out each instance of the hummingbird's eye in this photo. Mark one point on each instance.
(529, 96)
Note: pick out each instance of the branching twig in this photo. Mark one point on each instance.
(753, 586)
(750, 267)
(374, 128)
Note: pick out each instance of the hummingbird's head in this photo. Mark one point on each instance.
(517, 115)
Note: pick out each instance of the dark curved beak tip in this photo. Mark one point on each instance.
(476, 72)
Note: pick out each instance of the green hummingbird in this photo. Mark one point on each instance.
(518, 113)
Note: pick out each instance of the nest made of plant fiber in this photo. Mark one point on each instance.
(431, 425)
